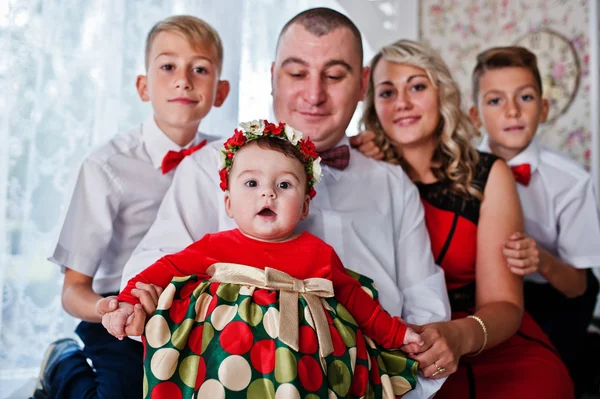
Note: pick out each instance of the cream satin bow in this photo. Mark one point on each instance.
(312, 289)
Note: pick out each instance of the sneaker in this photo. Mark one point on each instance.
(56, 352)
(39, 394)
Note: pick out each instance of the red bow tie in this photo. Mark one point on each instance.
(337, 157)
(174, 158)
(522, 173)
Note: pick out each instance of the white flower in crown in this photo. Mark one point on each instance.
(317, 171)
(293, 135)
(255, 127)
(222, 158)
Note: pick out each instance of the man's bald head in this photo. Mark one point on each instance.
(321, 21)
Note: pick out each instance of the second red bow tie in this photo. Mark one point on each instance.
(174, 158)
(522, 173)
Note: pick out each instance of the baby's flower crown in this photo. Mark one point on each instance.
(256, 129)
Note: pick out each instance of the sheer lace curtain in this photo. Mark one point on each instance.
(67, 81)
(67, 84)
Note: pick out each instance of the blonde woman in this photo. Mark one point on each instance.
(490, 348)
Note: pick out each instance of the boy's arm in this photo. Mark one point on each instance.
(578, 238)
(570, 281)
(524, 256)
(84, 237)
(78, 297)
(370, 316)
(578, 226)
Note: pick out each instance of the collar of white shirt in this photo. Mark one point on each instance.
(334, 172)
(158, 143)
(530, 155)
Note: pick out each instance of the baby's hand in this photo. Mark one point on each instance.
(411, 337)
(115, 321)
(136, 325)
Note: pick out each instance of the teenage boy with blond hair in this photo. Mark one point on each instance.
(118, 191)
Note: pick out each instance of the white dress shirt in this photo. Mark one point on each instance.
(116, 196)
(370, 213)
(559, 206)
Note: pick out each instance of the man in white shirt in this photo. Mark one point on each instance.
(368, 211)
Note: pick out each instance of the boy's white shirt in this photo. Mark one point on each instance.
(559, 206)
(115, 199)
(370, 213)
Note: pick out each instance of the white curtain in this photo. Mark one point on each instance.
(67, 81)
(67, 75)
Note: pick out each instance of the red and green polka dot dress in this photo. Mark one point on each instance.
(220, 340)
(211, 339)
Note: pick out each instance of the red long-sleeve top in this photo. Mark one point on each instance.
(304, 257)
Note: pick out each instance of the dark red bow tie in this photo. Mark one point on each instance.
(337, 157)
(174, 158)
(522, 173)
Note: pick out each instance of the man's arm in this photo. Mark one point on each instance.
(420, 279)
(426, 388)
(189, 210)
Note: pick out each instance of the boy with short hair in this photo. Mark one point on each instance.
(118, 191)
(557, 196)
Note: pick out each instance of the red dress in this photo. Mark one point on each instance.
(306, 256)
(224, 324)
(524, 366)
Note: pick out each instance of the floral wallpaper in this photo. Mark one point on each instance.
(460, 29)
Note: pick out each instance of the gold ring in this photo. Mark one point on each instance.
(440, 370)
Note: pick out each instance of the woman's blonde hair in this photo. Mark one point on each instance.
(454, 158)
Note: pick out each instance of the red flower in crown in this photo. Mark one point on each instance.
(223, 176)
(273, 128)
(237, 140)
(260, 128)
(308, 149)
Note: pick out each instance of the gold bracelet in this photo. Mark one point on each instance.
(485, 334)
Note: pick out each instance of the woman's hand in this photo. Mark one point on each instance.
(365, 143)
(439, 355)
(522, 254)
